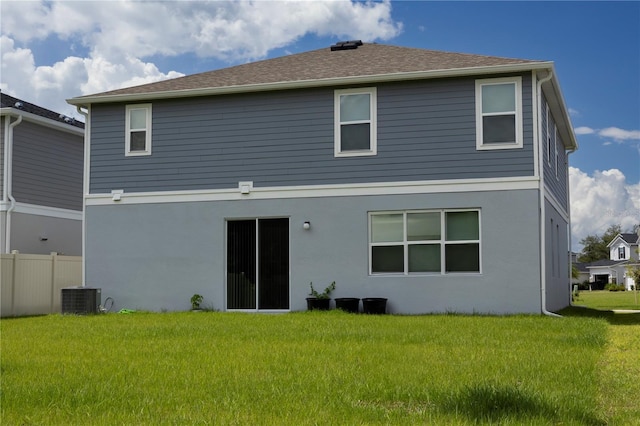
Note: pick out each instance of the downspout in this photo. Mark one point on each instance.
(569, 152)
(8, 177)
(5, 171)
(85, 189)
(543, 219)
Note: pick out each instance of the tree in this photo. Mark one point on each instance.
(611, 232)
(575, 273)
(594, 247)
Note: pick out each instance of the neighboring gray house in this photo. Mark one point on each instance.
(623, 252)
(41, 179)
(436, 180)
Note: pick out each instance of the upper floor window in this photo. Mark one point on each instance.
(621, 253)
(138, 130)
(549, 126)
(420, 242)
(499, 113)
(557, 155)
(355, 122)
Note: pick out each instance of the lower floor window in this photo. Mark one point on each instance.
(424, 241)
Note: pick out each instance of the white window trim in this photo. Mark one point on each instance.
(127, 135)
(557, 136)
(548, 139)
(373, 111)
(442, 242)
(518, 113)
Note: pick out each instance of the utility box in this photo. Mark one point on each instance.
(81, 300)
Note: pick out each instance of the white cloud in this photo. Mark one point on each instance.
(120, 35)
(619, 134)
(235, 30)
(49, 86)
(584, 130)
(601, 200)
(615, 133)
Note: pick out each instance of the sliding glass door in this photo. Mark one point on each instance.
(258, 264)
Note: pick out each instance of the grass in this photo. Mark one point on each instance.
(313, 368)
(608, 300)
(620, 365)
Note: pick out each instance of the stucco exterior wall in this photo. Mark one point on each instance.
(37, 234)
(557, 261)
(156, 256)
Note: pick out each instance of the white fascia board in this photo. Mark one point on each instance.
(340, 81)
(37, 210)
(617, 238)
(601, 268)
(558, 106)
(310, 191)
(43, 121)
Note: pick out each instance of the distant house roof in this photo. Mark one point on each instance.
(630, 238)
(7, 101)
(365, 63)
(581, 267)
(603, 262)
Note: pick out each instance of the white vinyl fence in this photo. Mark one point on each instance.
(31, 283)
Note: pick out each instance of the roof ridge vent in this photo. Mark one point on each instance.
(346, 45)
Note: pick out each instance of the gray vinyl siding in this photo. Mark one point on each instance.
(2, 157)
(47, 167)
(555, 181)
(426, 131)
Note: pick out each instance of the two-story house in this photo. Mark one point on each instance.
(41, 179)
(437, 180)
(623, 252)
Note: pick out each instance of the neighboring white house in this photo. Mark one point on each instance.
(623, 252)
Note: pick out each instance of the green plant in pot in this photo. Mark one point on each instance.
(196, 300)
(320, 301)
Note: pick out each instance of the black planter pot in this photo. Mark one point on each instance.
(348, 304)
(314, 304)
(374, 305)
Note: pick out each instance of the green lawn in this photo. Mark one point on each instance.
(608, 300)
(313, 368)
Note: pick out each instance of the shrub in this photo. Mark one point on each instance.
(614, 287)
(584, 285)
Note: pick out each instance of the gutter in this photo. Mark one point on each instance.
(543, 219)
(43, 121)
(569, 152)
(85, 187)
(8, 177)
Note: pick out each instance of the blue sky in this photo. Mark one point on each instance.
(56, 50)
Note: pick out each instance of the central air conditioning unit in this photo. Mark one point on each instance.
(80, 300)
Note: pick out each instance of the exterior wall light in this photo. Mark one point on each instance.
(306, 225)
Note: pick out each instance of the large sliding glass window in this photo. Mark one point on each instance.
(414, 242)
(258, 264)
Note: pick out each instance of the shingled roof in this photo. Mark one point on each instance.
(320, 67)
(630, 238)
(7, 101)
